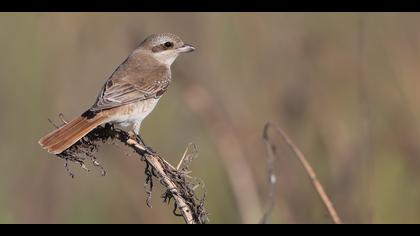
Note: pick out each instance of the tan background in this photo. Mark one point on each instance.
(345, 87)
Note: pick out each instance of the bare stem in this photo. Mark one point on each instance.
(160, 166)
(308, 168)
(175, 181)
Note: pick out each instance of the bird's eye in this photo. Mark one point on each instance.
(168, 44)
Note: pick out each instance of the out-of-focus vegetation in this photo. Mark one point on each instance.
(345, 87)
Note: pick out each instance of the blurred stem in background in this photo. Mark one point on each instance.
(365, 142)
(229, 148)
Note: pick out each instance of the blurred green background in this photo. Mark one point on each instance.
(345, 86)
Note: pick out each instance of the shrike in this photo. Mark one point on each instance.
(130, 93)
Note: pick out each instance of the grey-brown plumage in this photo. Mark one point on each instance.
(139, 77)
(130, 93)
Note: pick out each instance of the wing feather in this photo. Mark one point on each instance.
(127, 85)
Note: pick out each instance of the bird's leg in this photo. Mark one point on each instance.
(140, 139)
(148, 148)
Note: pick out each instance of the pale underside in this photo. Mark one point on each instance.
(134, 113)
(133, 91)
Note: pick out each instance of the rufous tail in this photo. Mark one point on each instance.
(67, 135)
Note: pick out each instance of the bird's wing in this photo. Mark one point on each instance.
(126, 86)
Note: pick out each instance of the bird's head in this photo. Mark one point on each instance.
(165, 47)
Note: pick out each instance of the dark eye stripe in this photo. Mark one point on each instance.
(162, 47)
(158, 48)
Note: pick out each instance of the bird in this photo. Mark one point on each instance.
(129, 95)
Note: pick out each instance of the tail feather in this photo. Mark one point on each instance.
(69, 138)
(62, 138)
(58, 133)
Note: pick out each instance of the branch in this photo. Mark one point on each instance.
(311, 173)
(174, 180)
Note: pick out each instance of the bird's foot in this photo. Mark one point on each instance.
(148, 149)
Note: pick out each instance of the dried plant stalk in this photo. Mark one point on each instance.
(308, 168)
(175, 181)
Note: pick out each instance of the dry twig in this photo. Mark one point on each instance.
(309, 170)
(175, 181)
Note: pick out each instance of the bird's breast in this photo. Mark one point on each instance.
(134, 112)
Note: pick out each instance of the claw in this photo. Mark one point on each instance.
(140, 140)
(148, 148)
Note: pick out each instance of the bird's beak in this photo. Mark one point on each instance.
(186, 48)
